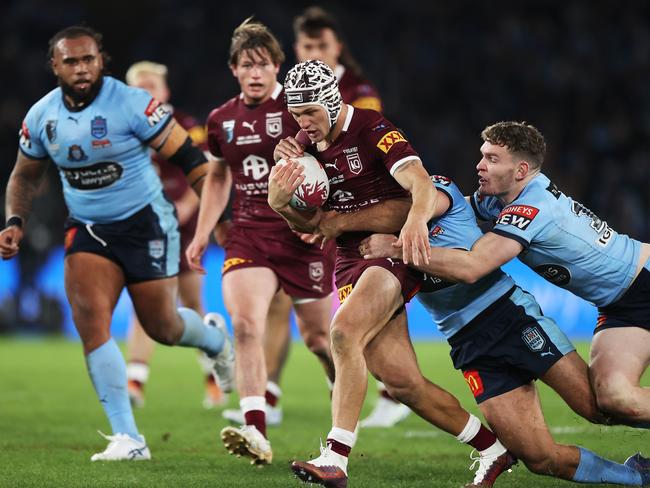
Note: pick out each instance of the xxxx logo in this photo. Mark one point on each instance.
(389, 140)
(229, 263)
(344, 292)
(474, 382)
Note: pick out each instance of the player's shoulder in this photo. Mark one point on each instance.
(223, 111)
(52, 98)
(360, 83)
(539, 191)
(447, 186)
(368, 121)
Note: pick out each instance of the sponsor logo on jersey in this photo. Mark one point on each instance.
(255, 167)
(554, 273)
(25, 138)
(337, 179)
(389, 140)
(50, 131)
(316, 271)
(342, 196)
(69, 238)
(274, 124)
(554, 190)
(155, 112)
(354, 162)
(98, 127)
(441, 180)
(229, 263)
(252, 139)
(533, 339)
(436, 231)
(601, 227)
(228, 127)
(518, 215)
(98, 175)
(157, 248)
(379, 127)
(250, 125)
(76, 153)
(474, 382)
(294, 97)
(344, 292)
(101, 144)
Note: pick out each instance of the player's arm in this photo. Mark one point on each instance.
(175, 145)
(21, 188)
(214, 199)
(186, 206)
(283, 182)
(414, 236)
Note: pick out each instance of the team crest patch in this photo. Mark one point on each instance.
(50, 130)
(354, 162)
(474, 382)
(533, 339)
(389, 140)
(518, 215)
(228, 127)
(76, 153)
(344, 292)
(157, 248)
(274, 124)
(25, 138)
(98, 127)
(316, 270)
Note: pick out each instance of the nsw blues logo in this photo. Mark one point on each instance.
(533, 339)
(98, 127)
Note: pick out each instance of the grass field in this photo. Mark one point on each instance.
(49, 414)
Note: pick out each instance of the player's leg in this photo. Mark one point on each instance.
(139, 350)
(313, 317)
(92, 301)
(528, 438)
(387, 411)
(619, 357)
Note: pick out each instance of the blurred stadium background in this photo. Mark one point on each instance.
(577, 69)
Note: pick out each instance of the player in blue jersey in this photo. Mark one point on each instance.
(501, 341)
(122, 231)
(567, 244)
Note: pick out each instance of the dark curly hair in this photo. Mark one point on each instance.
(75, 32)
(520, 138)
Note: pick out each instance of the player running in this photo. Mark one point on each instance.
(262, 253)
(370, 165)
(122, 231)
(502, 342)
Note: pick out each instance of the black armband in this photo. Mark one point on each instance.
(188, 156)
(15, 220)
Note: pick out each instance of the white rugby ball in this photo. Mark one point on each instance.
(315, 188)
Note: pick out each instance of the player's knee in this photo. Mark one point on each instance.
(343, 338)
(618, 401)
(245, 331)
(318, 344)
(539, 465)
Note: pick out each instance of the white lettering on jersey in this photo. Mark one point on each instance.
(255, 167)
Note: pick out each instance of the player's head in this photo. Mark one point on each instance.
(255, 59)
(313, 98)
(77, 59)
(511, 153)
(318, 36)
(150, 76)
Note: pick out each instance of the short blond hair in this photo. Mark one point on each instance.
(140, 67)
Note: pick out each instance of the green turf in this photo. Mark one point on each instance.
(49, 414)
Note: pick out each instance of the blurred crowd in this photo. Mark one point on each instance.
(578, 70)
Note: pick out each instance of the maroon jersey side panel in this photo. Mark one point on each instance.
(359, 92)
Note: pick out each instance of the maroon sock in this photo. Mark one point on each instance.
(483, 439)
(270, 398)
(339, 447)
(256, 418)
(387, 396)
(209, 379)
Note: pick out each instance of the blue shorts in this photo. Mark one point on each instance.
(508, 345)
(145, 245)
(631, 310)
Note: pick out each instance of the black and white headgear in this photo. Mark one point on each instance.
(313, 83)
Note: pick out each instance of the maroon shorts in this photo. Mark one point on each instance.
(303, 270)
(349, 270)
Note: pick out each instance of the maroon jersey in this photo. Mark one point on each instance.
(357, 91)
(245, 136)
(360, 164)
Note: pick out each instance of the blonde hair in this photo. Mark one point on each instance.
(140, 67)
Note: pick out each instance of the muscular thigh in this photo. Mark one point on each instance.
(247, 294)
(620, 352)
(155, 302)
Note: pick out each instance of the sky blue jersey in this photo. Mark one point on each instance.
(564, 241)
(453, 305)
(101, 151)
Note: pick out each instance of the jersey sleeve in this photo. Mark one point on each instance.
(389, 144)
(445, 186)
(29, 142)
(485, 208)
(147, 116)
(366, 96)
(215, 132)
(522, 220)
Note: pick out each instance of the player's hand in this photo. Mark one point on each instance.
(288, 148)
(328, 227)
(195, 252)
(414, 239)
(284, 179)
(380, 246)
(315, 238)
(9, 240)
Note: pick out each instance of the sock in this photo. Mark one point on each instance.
(272, 394)
(594, 469)
(341, 441)
(137, 371)
(197, 334)
(253, 408)
(107, 371)
(383, 392)
(477, 435)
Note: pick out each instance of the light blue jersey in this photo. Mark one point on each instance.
(453, 306)
(101, 151)
(564, 241)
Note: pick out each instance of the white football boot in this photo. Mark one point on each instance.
(123, 447)
(236, 416)
(224, 362)
(247, 441)
(386, 413)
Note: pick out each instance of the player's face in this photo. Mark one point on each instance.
(313, 120)
(154, 84)
(256, 75)
(325, 47)
(496, 170)
(78, 65)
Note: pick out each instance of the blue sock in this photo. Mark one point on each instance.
(107, 371)
(594, 469)
(196, 334)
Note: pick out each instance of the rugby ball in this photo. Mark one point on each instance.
(314, 190)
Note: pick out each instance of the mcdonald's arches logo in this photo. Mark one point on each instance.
(474, 382)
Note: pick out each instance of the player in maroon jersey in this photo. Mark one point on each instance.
(153, 78)
(369, 164)
(262, 253)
